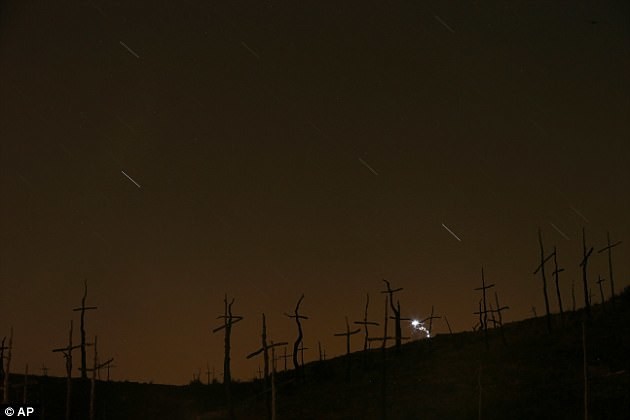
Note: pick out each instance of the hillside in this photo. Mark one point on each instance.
(533, 374)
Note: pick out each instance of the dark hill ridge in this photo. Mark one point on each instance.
(535, 375)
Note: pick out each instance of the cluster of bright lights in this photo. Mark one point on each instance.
(418, 326)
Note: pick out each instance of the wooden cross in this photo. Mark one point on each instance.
(396, 310)
(285, 356)
(228, 321)
(264, 349)
(296, 346)
(556, 272)
(301, 349)
(208, 373)
(610, 268)
(541, 268)
(586, 254)
(499, 308)
(347, 334)
(430, 319)
(110, 366)
(481, 313)
(365, 324)
(44, 370)
(67, 354)
(483, 289)
(385, 338)
(2, 357)
(82, 309)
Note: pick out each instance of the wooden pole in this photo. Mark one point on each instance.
(430, 318)
(601, 289)
(450, 331)
(229, 320)
(585, 371)
(366, 323)
(67, 354)
(483, 315)
(82, 309)
(480, 392)
(273, 384)
(264, 350)
(396, 310)
(586, 254)
(93, 380)
(610, 266)
(541, 268)
(348, 334)
(2, 349)
(573, 294)
(7, 370)
(556, 273)
(24, 394)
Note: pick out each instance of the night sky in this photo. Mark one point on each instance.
(171, 152)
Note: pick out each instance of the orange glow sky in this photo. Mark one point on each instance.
(248, 128)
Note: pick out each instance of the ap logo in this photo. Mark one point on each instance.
(21, 411)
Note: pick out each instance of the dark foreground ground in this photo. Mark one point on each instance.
(533, 374)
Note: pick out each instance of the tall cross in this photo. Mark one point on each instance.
(347, 334)
(556, 272)
(390, 293)
(541, 268)
(302, 349)
(586, 254)
(430, 318)
(296, 345)
(365, 324)
(610, 268)
(483, 289)
(285, 356)
(83, 308)
(228, 321)
(264, 349)
(499, 308)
